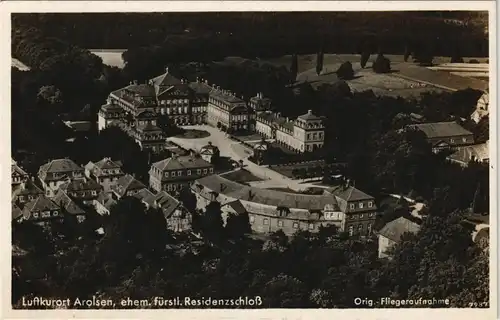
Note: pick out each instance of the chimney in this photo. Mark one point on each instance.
(135, 82)
(166, 69)
(250, 196)
(209, 143)
(131, 83)
(206, 81)
(278, 114)
(287, 119)
(197, 80)
(218, 88)
(32, 179)
(309, 111)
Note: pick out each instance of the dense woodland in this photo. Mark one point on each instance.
(323, 270)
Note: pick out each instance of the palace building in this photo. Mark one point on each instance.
(137, 107)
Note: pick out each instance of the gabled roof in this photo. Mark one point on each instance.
(349, 193)
(30, 188)
(165, 80)
(64, 201)
(127, 183)
(396, 228)
(60, 165)
(181, 162)
(81, 185)
(17, 169)
(237, 206)
(200, 87)
(41, 203)
(441, 129)
(143, 194)
(107, 163)
(16, 212)
(164, 201)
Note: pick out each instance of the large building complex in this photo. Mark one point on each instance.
(269, 210)
(137, 107)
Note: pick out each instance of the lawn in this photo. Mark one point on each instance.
(287, 170)
(193, 134)
(241, 176)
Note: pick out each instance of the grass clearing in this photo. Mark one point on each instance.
(241, 176)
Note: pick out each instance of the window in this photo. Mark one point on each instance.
(169, 187)
(371, 214)
(189, 172)
(94, 192)
(173, 173)
(204, 171)
(370, 204)
(179, 173)
(452, 140)
(355, 217)
(360, 228)
(295, 225)
(252, 219)
(174, 187)
(198, 171)
(311, 226)
(55, 213)
(211, 170)
(352, 206)
(361, 216)
(464, 139)
(361, 205)
(280, 223)
(351, 230)
(21, 198)
(166, 174)
(35, 215)
(46, 214)
(369, 229)
(308, 136)
(266, 221)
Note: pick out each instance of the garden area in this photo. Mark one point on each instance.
(241, 176)
(193, 134)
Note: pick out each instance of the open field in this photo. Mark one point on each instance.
(241, 176)
(110, 57)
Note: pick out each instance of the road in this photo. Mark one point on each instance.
(237, 152)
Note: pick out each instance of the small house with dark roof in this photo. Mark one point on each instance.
(232, 208)
(42, 210)
(57, 172)
(104, 202)
(127, 186)
(177, 172)
(106, 172)
(69, 206)
(444, 135)
(85, 190)
(18, 175)
(392, 232)
(26, 192)
(210, 153)
(178, 218)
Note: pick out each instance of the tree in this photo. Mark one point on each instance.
(365, 55)
(49, 96)
(238, 225)
(345, 71)
(319, 62)
(294, 67)
(382, 64)
(212, 223)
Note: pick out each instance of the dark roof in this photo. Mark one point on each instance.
(64, 201)
(309, 116)
(16, 212)
(441, 129)
(29, 188)
(181, 162)
(107, 163)
(143, 90)
(106, 199)
(200, 87)
(396, 228)
(127, 183)
(60, 165)
(226, 96)
(165, 80)
(143, 194)
(237, 206)
(344, 195)
(164, 201)
(269, 197)
(80, 185)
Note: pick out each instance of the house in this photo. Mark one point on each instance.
(42, 210)
(69, 206)
(143, 194)
(85, 190)
(392, 232)
(106, 172)
(17, 213)
(232, 208)
(104, 202)
(127, 186)
(26, 192)
(209, 153)
(476, 152)
(176, 172)
(57, 172)
(178, 218)
(359, 208)
(18, 175)
(482, 107)
(444, 135)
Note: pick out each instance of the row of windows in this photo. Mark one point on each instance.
(83, 193)
(281, 223)
(179, 173)
(111, 171)
(174, 101)
(361, 216)
(361, 205)
(28, 198)
(45, 214)
(463, 140)
(315, 135)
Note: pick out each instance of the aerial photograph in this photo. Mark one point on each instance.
(250, 160)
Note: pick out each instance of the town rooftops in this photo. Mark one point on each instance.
(16, 212)
(107, 163)
(226, 96)
(106, 199)
(81, 185)
(347, 194)
(64, 201)
(165, 80)
(164, 201)
(29, 188)
(269, 197)
(127, 183)
(61, 165)
(396, 228)
(181, 162)
(441, 129)
(237, 206)
(143, 194)
(17, 169)
(200, 87)
(309, 116)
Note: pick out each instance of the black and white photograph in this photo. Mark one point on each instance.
(251, 159)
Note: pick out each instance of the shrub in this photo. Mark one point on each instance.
(382, 64)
